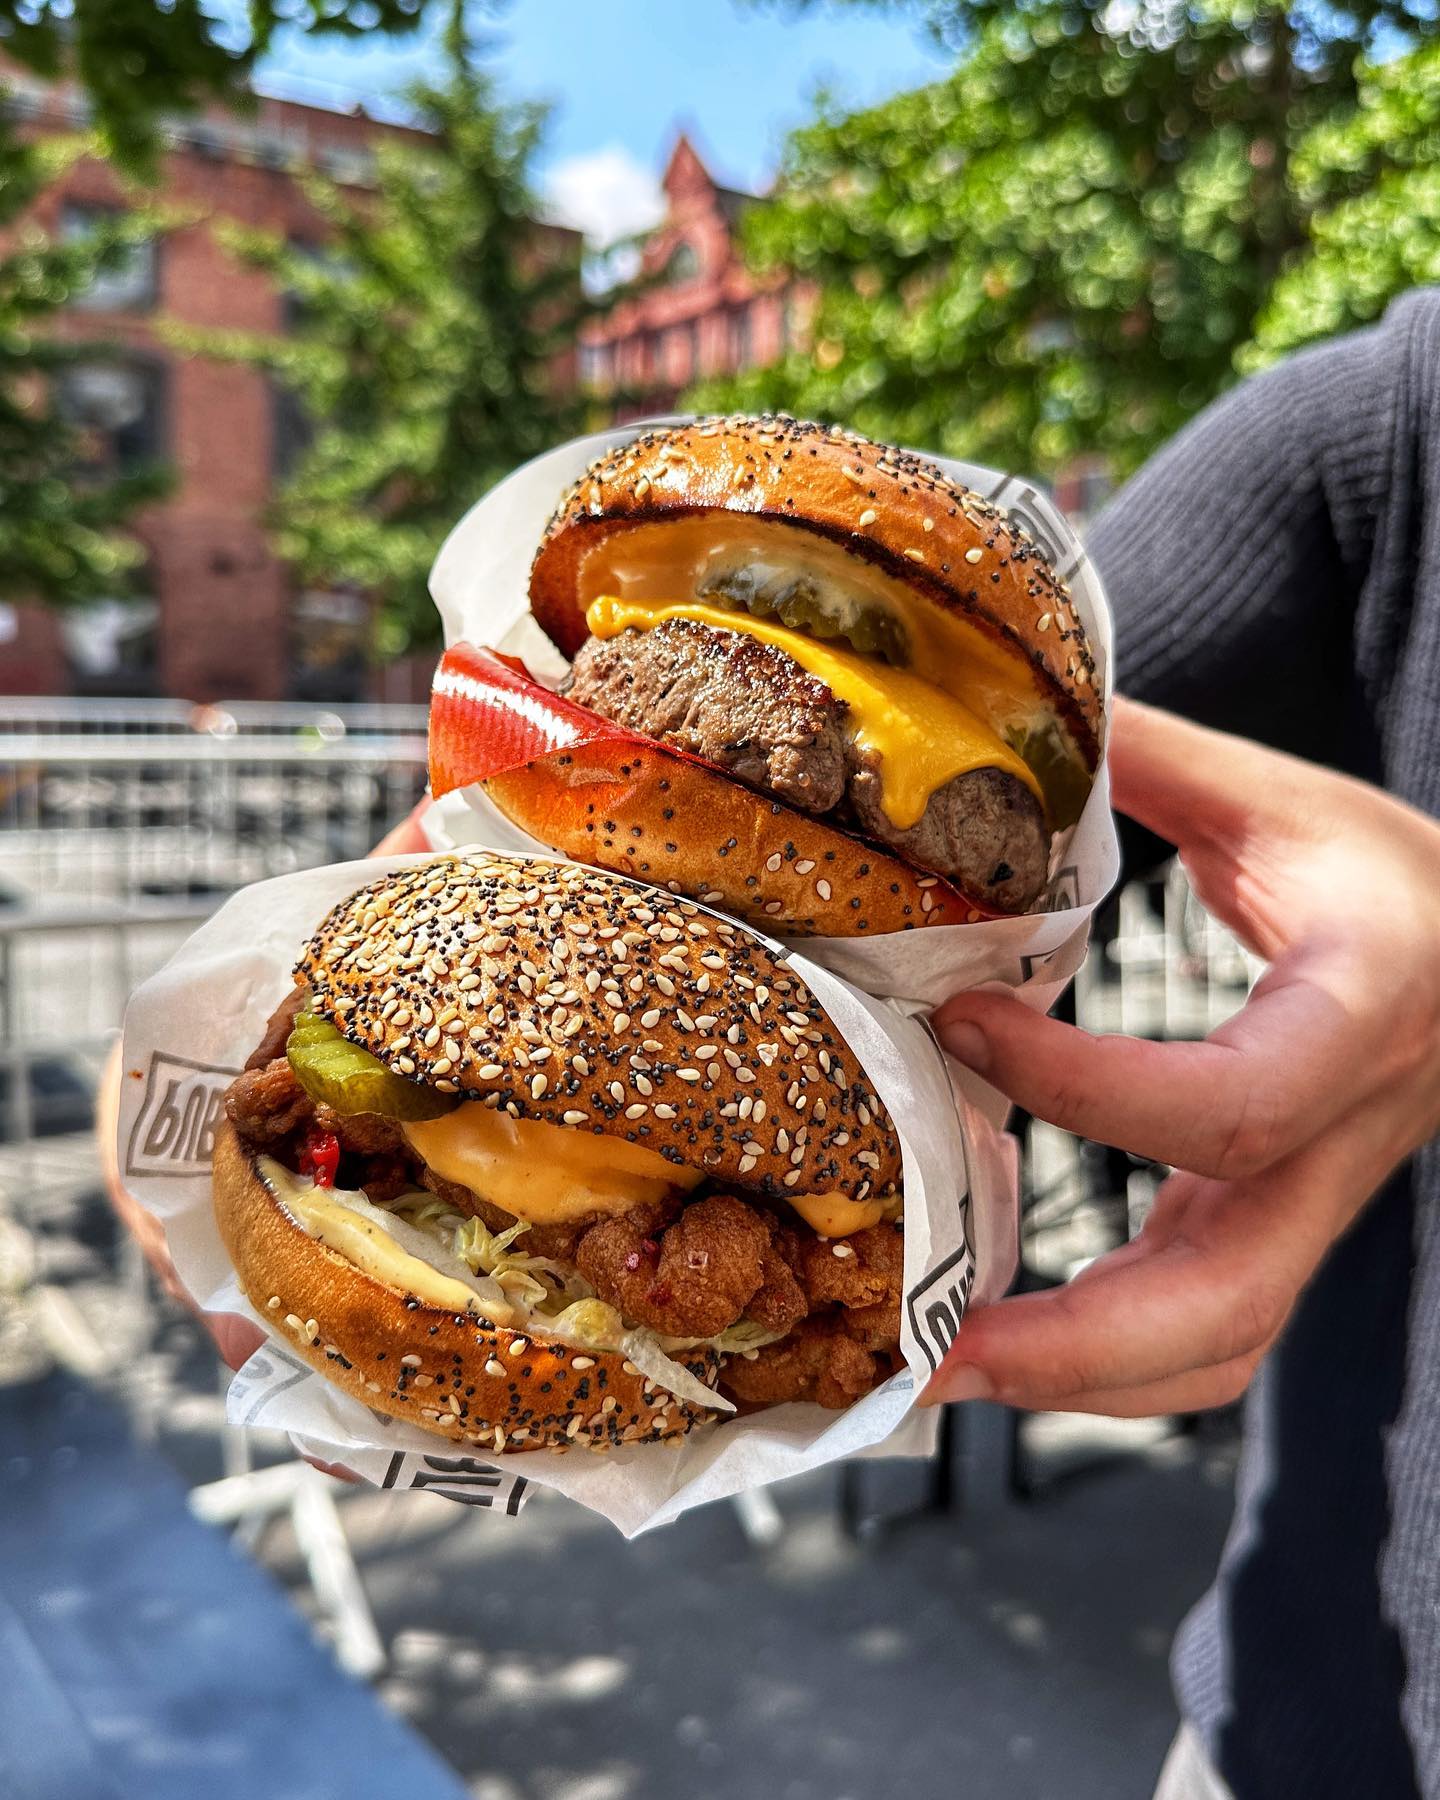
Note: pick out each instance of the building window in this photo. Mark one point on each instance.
(740, 338)
(133, 284)
(112, 646)
(117, 408)
(595, 365)
(329, 637)
(683, 263)
(292, 430)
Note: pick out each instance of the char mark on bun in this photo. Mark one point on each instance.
(534, 1157)
(876, 656)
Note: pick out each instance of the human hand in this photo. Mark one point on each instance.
(1279, 1126)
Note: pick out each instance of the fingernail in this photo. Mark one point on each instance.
(967, 1043)
(957, 1381)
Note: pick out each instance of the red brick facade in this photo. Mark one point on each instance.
(705, 315)
(229, 623)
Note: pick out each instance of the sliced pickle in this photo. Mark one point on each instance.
(1063, 778)
(350, 1080)
(805, 604)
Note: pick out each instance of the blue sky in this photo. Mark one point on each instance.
(625, 76)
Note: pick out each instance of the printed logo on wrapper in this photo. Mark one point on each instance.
(938, 1304)
(183, 1107)
(1039, 520)
(460, 1478)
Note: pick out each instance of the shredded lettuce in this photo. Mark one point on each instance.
(553, 1301)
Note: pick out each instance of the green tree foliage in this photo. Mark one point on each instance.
(139, 60)
(59, 536)
(135, 62)
(1369, 178)
(423, 347)
(1062, 246)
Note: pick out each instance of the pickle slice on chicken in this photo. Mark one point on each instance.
(805, 603)
(348, 1079)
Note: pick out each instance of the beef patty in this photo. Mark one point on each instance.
(743, 705)
(751, 710)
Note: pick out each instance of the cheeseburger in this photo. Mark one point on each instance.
(862, 699)
(533, 1156)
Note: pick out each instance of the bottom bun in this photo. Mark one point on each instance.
(449, 1373)
(644, 811)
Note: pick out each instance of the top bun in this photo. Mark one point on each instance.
(578, 997)
(885, 507)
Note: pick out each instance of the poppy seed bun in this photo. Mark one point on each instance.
(886, 507)
(572, 996)
(765, 862)
(445, 1372)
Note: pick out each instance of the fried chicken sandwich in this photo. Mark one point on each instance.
(534, 1156)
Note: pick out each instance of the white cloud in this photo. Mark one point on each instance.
(605, 193)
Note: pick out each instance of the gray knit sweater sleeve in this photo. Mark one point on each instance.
(1238, 558)
(1276, 571)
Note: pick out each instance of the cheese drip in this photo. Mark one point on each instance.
(546, 1174)
(923, 735)
(833, 1216)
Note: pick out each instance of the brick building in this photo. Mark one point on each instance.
(705, 313)
(224, 617)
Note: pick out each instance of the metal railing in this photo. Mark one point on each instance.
(136, 815)
(63, 715)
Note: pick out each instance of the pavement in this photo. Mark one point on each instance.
(1011, 1649)
(1006, 1647)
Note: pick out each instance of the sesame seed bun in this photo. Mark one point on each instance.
(572, 996)
(650, 812)
(447, 1373)
(887, 508)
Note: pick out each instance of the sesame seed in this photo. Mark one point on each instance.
(494, 1367)
(574, 1116)
(584, 1362)
(823, 889)
(688, 1074)
(975, 554)
(489, 1071)
(410, 1360)
(773, 862)
(538, 1086)
(518, 1346)
(914, 554)
(868, 517)
(842, 1250)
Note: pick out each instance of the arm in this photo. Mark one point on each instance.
(1279, 1126)
(1235, 560)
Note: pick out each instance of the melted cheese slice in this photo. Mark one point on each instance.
(833, 1216)
(365, 1244)
(546, 1174)
(922, 733)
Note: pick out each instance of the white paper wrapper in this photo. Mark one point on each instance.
(190, 1029)
(480, 583)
